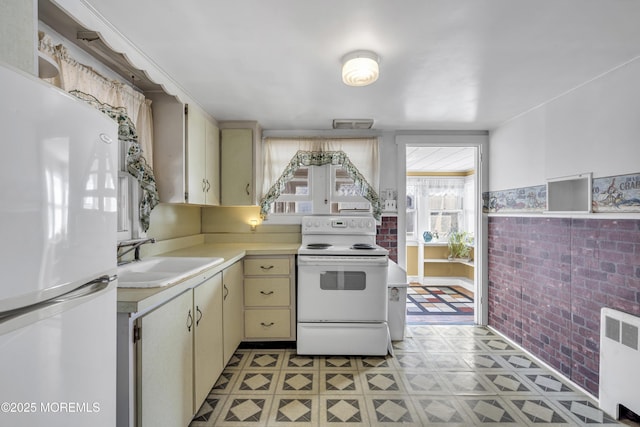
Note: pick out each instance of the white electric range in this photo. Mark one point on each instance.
(342, 287)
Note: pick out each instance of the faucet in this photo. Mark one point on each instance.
(133, 245)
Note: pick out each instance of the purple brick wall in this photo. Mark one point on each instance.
(388, 236)
(549, 278)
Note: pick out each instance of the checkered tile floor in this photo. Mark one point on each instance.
(440, 376)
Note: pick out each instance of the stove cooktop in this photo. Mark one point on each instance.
(362, 249)
(340, 235)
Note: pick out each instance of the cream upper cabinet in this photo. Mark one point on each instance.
(212, 169)
(186, 153)
(240, 163)
(196, 154)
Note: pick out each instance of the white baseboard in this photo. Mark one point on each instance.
(544, 364)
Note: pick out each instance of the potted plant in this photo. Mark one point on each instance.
(459, 247)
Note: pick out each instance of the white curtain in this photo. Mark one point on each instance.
(278, 152)
(436, 186)
(76, 76)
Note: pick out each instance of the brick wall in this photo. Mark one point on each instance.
(549, 278)
(388, 236)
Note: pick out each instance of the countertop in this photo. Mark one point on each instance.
(139, 300)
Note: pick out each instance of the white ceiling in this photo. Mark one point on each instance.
(440, 159)
(445, 64)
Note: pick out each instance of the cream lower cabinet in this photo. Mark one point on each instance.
(165, 364)
(170, 356)
(269, 298)
(179, 355)
(233, 319)
(207, 349)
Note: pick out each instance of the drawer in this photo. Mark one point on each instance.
(267, 323)
(266, 291)
(266, 266)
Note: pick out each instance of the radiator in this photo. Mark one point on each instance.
(619, 362)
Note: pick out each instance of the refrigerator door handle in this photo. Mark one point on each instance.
(94, 286)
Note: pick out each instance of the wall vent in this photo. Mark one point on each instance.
(352, 123)
(619, 361)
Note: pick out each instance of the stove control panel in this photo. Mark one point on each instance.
(338, 225)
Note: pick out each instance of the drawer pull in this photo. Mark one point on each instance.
(266, 293)
(266, 267)
(267, 324)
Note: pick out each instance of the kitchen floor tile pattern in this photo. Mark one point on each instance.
(439, 305)
(448, 375)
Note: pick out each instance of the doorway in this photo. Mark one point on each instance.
(441, 177)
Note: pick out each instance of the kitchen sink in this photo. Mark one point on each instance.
(156, 272)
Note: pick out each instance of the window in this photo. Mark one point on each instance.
(128, 197)
(326, 189)
(296, 196)
(439, 205)
(312, 176)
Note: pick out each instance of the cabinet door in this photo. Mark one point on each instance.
(236, 167)
(212, 166)
(196, 152)
(207, 343)
(165, 364)
(232, 309)
(169, 147)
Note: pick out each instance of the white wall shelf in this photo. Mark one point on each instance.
(446, 260)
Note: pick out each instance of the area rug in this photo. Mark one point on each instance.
(433, 303)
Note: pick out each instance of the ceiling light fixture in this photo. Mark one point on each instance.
(360, 68)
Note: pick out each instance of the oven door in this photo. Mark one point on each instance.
(342, 288)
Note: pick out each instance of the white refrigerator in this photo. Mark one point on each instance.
(58, 178)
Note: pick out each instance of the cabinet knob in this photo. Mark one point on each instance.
(266, 293)
(247, 189)
(267, 325)
(266, 267)
(226, 292)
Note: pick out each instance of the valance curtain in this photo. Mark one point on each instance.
(76, 76)
(278, 153)
(128, 107)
